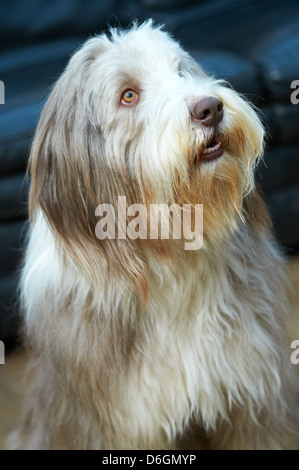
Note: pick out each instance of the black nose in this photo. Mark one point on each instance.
(208, 111)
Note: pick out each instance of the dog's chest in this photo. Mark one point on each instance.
(184, 359)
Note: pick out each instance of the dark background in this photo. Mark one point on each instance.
(254, 44)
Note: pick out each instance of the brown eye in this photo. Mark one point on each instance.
(129, 97)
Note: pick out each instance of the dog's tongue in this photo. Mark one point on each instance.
(213, 151)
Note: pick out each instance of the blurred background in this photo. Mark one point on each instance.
(253, 44)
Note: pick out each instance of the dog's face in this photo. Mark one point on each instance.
(161, 116)
(134, 115)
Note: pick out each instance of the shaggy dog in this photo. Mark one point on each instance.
(136, 339)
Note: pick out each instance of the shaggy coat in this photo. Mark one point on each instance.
(135, 340)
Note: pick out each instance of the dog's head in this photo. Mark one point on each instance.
(134, 115)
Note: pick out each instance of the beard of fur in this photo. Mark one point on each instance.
(223, 186)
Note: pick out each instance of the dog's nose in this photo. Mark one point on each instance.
(208, 111)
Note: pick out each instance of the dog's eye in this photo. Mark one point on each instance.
(129, 97)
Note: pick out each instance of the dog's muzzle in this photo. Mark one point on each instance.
(208, 112)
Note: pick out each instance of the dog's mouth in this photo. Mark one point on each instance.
(211, 149)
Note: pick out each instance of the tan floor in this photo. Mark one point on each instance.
(12, 387)
(12, 384)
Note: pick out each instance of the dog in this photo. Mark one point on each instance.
(135, 341)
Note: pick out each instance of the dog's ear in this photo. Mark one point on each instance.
(70, 174)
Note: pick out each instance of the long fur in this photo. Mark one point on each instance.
(135, 339)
